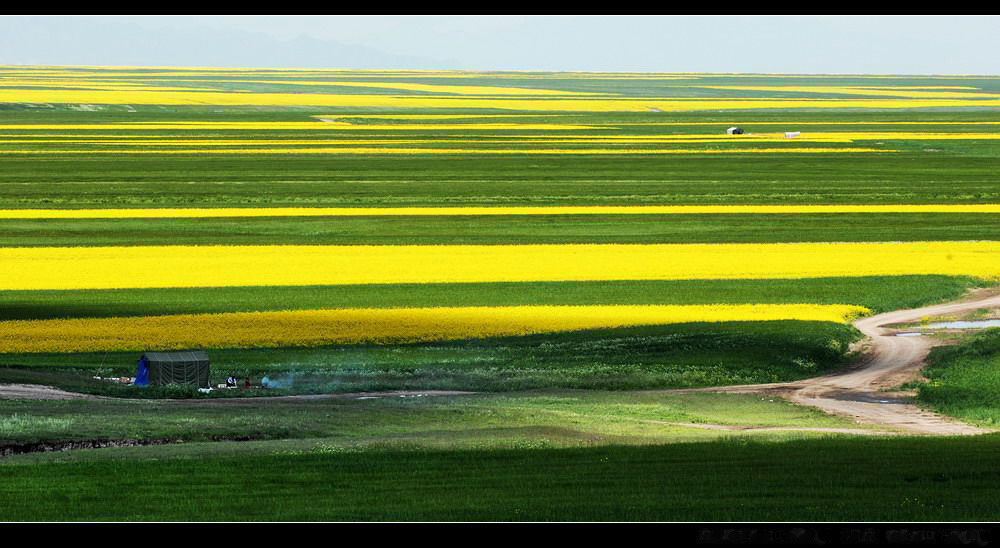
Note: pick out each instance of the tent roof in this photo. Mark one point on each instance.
(193, 356)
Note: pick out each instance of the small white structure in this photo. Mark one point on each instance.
(734, 131)
(790, 134)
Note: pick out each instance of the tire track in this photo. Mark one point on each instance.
(863, 391)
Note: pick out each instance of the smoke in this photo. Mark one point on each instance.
(282, 382)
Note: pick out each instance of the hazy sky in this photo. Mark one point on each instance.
(795, 44)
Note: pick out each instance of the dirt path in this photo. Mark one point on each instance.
(735, 428)
(311, 397)
(861, 392)
(40, 392)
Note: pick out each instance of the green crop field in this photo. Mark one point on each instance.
(963, 380)
(734, 480)
(104, 165)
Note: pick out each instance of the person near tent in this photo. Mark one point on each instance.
(142, 372)
(247, 384)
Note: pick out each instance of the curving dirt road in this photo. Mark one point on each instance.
(861, 392)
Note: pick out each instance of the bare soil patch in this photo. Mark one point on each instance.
(867, 392)
(41, 392)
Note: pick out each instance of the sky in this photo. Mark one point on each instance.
(765, 44)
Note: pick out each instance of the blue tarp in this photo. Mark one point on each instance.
(142, 373)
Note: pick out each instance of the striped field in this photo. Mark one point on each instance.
(425, 200)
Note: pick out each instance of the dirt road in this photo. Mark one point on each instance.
(316, 397)
(40, 392)
(861, 392)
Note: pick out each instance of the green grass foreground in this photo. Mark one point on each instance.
(907, 479)
(964, 380)
(552, 418)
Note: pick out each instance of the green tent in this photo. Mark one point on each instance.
(175, 368)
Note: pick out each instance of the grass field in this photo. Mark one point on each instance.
(686, 355)
(563, 418)
(130, 147)
(909, 479)
(963, 379)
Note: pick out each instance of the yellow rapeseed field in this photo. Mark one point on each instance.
(373, 325)
(33, 268)
(490, 126)
(433, 116)
(888, 135)
(89, 85)
(453, 151)
(763, 138)
(177, 126)
(794, 123)
(282, 126)
(555, 104)
(167, 213)
(433, 88)
(140, 141)
(133, 72)
(873, 91)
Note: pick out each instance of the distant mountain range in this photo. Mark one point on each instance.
(93, 41)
